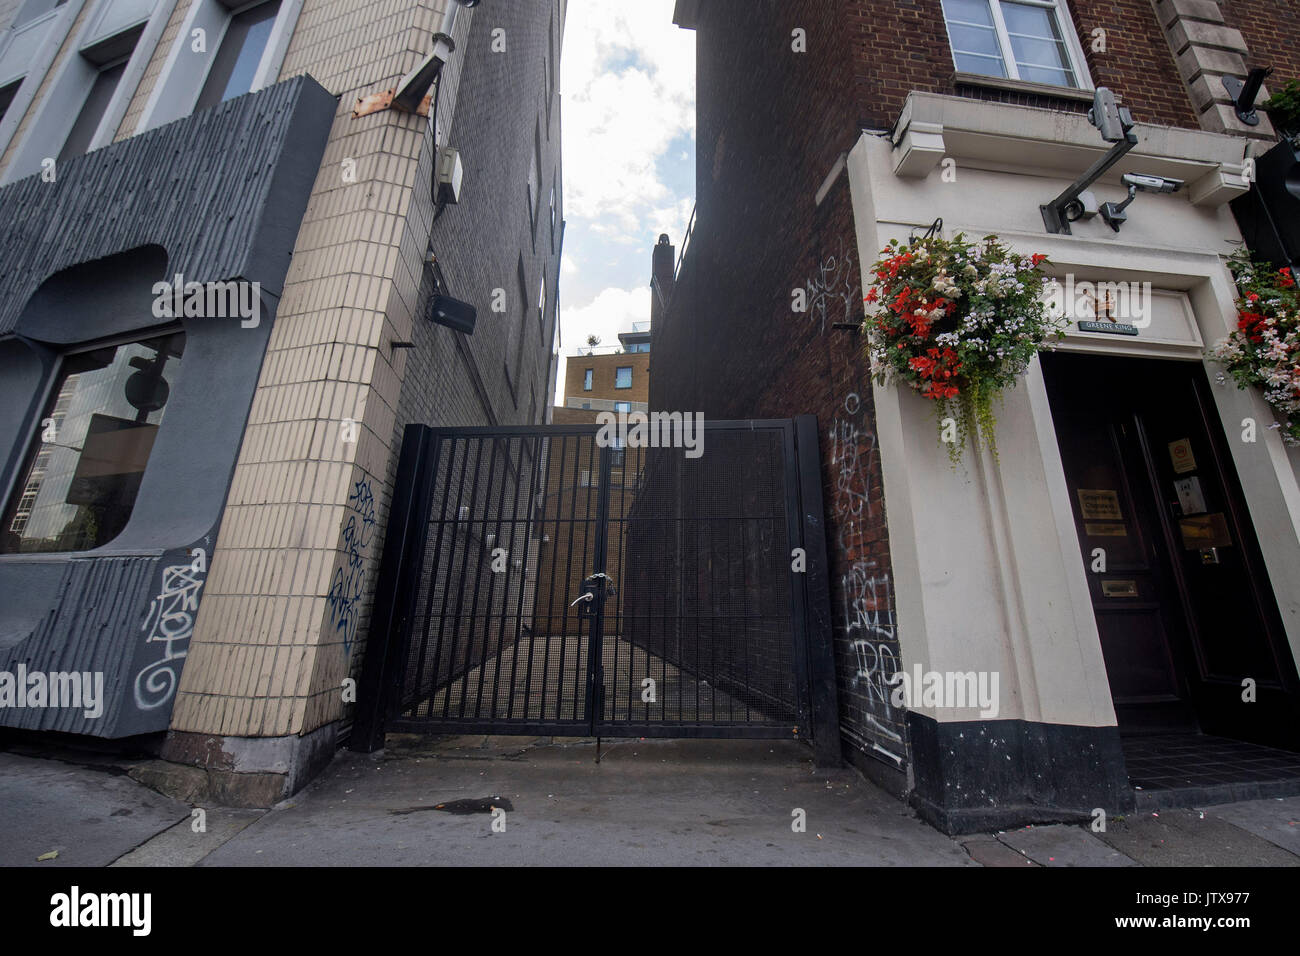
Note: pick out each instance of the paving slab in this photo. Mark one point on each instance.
(91, 814)
(1277, 821)
(647, 803)
(1191, 838)
(992, 852)
(184, 845)
(1064, 845)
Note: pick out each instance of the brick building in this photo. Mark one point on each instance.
(872, 120)
(218, 567)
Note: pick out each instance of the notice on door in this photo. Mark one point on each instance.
(1205, 531)
(1099, 504)
(1180, 453)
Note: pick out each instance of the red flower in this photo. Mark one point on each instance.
(1038, 257)
(1287, 280)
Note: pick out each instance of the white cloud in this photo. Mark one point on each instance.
(628, 79)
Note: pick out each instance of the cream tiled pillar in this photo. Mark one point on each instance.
(292, 574)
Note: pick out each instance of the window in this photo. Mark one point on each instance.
(92, 446)
(541, 305)
(638, 347)
(586, 379)
(622, 406)
(553, 214)
(1027, 40)
(235, 64)
(535, 182)
(623, 377)
(7, 94)
(93, 110)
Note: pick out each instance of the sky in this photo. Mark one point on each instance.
(627, 78)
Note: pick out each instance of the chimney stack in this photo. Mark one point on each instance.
(661, 277)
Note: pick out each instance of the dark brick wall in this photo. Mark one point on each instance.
(731, 346)
(502, 373)
(1272, 32)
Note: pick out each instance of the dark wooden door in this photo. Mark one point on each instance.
(1182, 599)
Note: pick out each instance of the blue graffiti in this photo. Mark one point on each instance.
(349, 579)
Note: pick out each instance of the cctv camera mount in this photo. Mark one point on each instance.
(1116, 126)
(1114, 214)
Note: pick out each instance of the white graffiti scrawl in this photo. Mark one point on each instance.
(170, 622)
(833, 291)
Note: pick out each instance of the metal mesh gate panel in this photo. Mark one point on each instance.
(559, 584)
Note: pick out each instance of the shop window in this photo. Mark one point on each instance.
(91, 446)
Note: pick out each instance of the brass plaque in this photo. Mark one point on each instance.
(1099, 504)
(1119, 588)
(1205, 531)
(1105, 529)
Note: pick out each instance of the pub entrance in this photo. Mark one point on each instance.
(1184, 607)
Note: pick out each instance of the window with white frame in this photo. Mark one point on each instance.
(1029, 40)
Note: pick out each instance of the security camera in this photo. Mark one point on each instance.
(1113, 213)
(1151, 184)
(1114, 121)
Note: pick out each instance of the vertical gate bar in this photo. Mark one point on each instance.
(555, 561)
(568, 587)
(505, 597)
(529, 507)
(744, 589)
(478, 583)
(715, 618)
(596, 640)
(433, 571)
(464, 565)
(383, 669)
(493, 574)
(453, 445)
(813, 615)
(582, 683)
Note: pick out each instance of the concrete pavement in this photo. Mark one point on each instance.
(527, 801)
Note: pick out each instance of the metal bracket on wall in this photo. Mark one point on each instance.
(376, 102)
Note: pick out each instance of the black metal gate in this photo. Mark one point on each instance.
(539, 580)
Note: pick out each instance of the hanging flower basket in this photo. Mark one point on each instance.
(1264, 350)
(958, 322)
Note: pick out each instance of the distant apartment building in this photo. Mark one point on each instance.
(239, 249)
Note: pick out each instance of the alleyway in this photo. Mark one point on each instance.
(645, 803)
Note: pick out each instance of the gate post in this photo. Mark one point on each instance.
(395, 587)
(817, 606)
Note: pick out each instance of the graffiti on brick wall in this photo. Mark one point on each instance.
(345, 592)
(873, 635)
(866, 614)
(833, 292)
(169, 623)
(852, 452)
